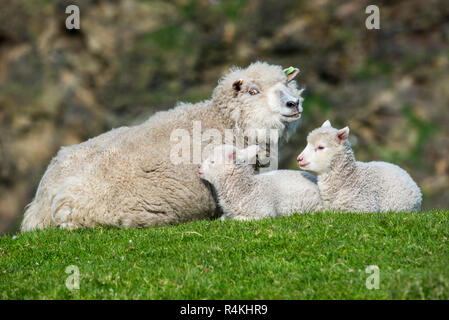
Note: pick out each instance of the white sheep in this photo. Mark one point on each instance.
(352, 186)
(126, 178)
(244, 195)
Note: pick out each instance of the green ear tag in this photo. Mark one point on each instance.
(290, 70)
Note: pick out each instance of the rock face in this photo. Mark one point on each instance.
(132, 58)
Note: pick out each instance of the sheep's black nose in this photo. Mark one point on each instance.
(292, 103)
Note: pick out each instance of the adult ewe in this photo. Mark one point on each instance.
(125, 177)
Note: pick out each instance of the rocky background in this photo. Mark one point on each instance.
(132, 58)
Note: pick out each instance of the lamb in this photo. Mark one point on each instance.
(244, 195)
(352, 186)
(126, 178)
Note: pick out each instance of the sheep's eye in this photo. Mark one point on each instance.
(320, 147)
(253, 91)
(212, 161)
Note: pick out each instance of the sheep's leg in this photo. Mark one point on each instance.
(64, 209)
(63, 218)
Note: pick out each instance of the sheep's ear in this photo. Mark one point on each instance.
(291, 73)
(237, 85)
(342, 134)
(326, 124)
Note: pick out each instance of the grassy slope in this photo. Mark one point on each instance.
(299, 257)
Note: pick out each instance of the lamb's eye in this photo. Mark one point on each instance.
(320, 147)
(212, 161)
(253, 91)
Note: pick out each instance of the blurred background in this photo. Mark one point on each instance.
(132, 58)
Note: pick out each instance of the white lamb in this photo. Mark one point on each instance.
(352, 186)
(244, 195)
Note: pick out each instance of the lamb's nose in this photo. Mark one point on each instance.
(292, 103)
(300, 158)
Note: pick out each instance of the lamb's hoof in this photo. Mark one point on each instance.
(68, 226)
(242, 218)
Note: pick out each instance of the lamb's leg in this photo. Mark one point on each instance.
(246, 218)
(69, 226)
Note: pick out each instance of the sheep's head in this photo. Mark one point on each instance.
(224, 159)
(262, 96)
(323, 144)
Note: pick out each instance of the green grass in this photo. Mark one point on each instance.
(319, 256)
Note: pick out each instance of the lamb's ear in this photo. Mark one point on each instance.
(252, 151)
(231, 156)
(291, 73)
(237, 85)
(248, 155)
(326, 124)
(342, 134)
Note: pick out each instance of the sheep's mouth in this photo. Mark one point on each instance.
(292, 117)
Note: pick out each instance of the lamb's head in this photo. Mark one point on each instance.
(262, 96)
(224, 160)
(323, 145)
